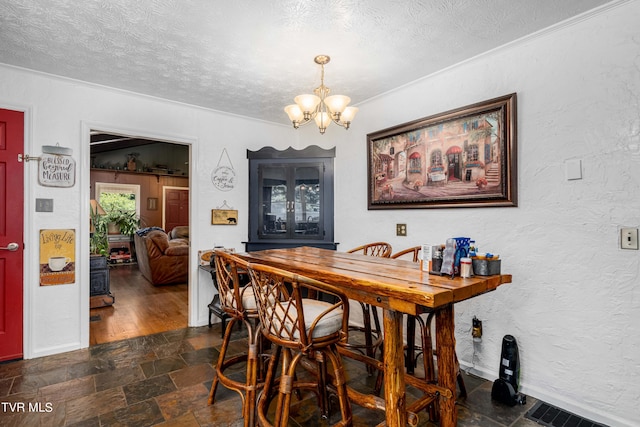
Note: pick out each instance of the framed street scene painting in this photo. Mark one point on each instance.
(465, 157)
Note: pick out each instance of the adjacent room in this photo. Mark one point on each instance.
(137, 186)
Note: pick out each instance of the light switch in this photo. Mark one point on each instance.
(44, 205)
(573, 169)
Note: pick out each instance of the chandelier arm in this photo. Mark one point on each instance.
(341, 124)
(306, 121)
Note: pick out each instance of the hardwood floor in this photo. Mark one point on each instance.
(140, 308)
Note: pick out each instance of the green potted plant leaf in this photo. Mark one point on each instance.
(98, 243)
(126, 222)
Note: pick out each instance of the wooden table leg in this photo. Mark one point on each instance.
(411, 344)
(394, 386)
(446, 350)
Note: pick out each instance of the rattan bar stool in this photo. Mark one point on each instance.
(305, 332)
(412, 254)
(426, 348)
(239, 303)
(373, 334)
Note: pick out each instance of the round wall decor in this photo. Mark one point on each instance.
(224, 177)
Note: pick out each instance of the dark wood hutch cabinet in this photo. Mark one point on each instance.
(290, 198)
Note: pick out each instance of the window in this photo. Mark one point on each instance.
(472, 153)
(468, 126)
(433, 131)
(436, 158)
(122, 197)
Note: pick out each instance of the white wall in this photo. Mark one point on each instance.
(574, 302)
(62, 112)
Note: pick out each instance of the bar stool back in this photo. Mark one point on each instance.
(426, 348)
(412, 253)
(381, 249)
(306, 328)
(373, 334)
(239, 303)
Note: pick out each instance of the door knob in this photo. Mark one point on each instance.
(11, 247)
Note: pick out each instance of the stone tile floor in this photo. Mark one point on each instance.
(164, 380)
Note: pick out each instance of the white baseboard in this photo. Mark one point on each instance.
(49, 351)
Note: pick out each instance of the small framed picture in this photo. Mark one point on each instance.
(224, 217)
(152, 203)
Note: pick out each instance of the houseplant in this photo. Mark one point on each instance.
(123, 222)
(98, 243)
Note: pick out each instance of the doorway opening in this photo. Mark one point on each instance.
(128, 175)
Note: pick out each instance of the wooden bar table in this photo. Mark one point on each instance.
(398, 287)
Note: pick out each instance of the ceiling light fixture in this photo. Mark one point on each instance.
(321, 107)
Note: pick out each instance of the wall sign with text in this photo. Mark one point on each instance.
(223, 176)
(57, 257)
(56, 167)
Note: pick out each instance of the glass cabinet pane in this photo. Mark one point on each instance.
(273, 200)
(307, 206)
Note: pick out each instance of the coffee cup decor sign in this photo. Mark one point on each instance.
(57, 257)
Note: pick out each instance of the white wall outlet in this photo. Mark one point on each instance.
(629, 238)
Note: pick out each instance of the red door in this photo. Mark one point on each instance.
(11, 238)
(176, 205)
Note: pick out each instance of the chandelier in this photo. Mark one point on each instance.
(322, 108)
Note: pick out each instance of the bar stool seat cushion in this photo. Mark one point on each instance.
(327, 325)
(248, 299)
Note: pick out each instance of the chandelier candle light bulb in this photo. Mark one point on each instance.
(322, 108)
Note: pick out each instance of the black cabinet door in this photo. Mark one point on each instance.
(291, 200)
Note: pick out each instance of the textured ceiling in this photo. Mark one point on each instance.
(252, 57)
